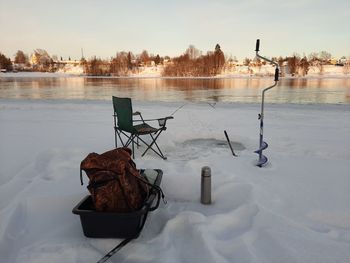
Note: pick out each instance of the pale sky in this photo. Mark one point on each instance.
(162, 27)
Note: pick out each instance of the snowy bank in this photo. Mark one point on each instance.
(327, 71)
(294, 210)
(35, 75)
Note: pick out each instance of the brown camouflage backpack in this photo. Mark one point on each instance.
(114, 182)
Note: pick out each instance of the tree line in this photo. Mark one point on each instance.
(192, 63)
(122, 64)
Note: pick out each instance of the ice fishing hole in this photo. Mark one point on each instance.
(211, 142)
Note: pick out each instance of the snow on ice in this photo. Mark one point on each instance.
(294, 210)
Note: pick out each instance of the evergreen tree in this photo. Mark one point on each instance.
(219, 58)
(157, 60)
(5, 63)
(129, 61)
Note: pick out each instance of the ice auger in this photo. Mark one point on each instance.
(263, 145)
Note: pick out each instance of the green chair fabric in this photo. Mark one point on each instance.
(124, 126)
(123, 110)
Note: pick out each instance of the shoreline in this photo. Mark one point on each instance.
(238, 76)
(222, 104)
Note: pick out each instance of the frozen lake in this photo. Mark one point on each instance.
(245, 90)
(296, 209)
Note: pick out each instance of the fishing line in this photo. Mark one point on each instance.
(212, 104)
(177, 109)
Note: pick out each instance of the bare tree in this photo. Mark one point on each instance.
(144, 57)
(316, 61)
(347, 65)
(207, 65)
(293, 64)
(41, 60)
(246, 61)
(119, 65)
(304, 65)
(97, 67)
(193, 52)
(21, 58)
(280, 61)
(325, 57)
(313, 56)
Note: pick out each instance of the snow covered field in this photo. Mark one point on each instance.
(294, 210)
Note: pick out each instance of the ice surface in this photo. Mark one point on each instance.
(296, 209)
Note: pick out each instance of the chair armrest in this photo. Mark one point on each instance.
(139, 114)
(162, 121)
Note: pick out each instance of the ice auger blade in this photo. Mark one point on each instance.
(263, 146)
(262, 161)
(262, 158)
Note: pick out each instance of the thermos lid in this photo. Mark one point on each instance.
(206, 171)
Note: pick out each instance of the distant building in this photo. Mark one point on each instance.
(333, 61)
(343, 61)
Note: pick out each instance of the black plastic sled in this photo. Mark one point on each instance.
(118, 225)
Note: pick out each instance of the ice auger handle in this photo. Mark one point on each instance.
(277, 72)
(257, 45)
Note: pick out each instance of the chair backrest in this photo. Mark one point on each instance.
(123, 110)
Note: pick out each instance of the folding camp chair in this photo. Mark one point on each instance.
(124, 125)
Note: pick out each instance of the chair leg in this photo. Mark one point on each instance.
(120, 138)
(156, 144)
(115, 137)
(115, 131)
(118, 134)
(149, 146)
(130, 139)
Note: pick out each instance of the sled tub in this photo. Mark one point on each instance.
(116, 225)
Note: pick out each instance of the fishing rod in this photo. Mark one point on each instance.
(263, 145)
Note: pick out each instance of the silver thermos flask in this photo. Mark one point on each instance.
(206, 185)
